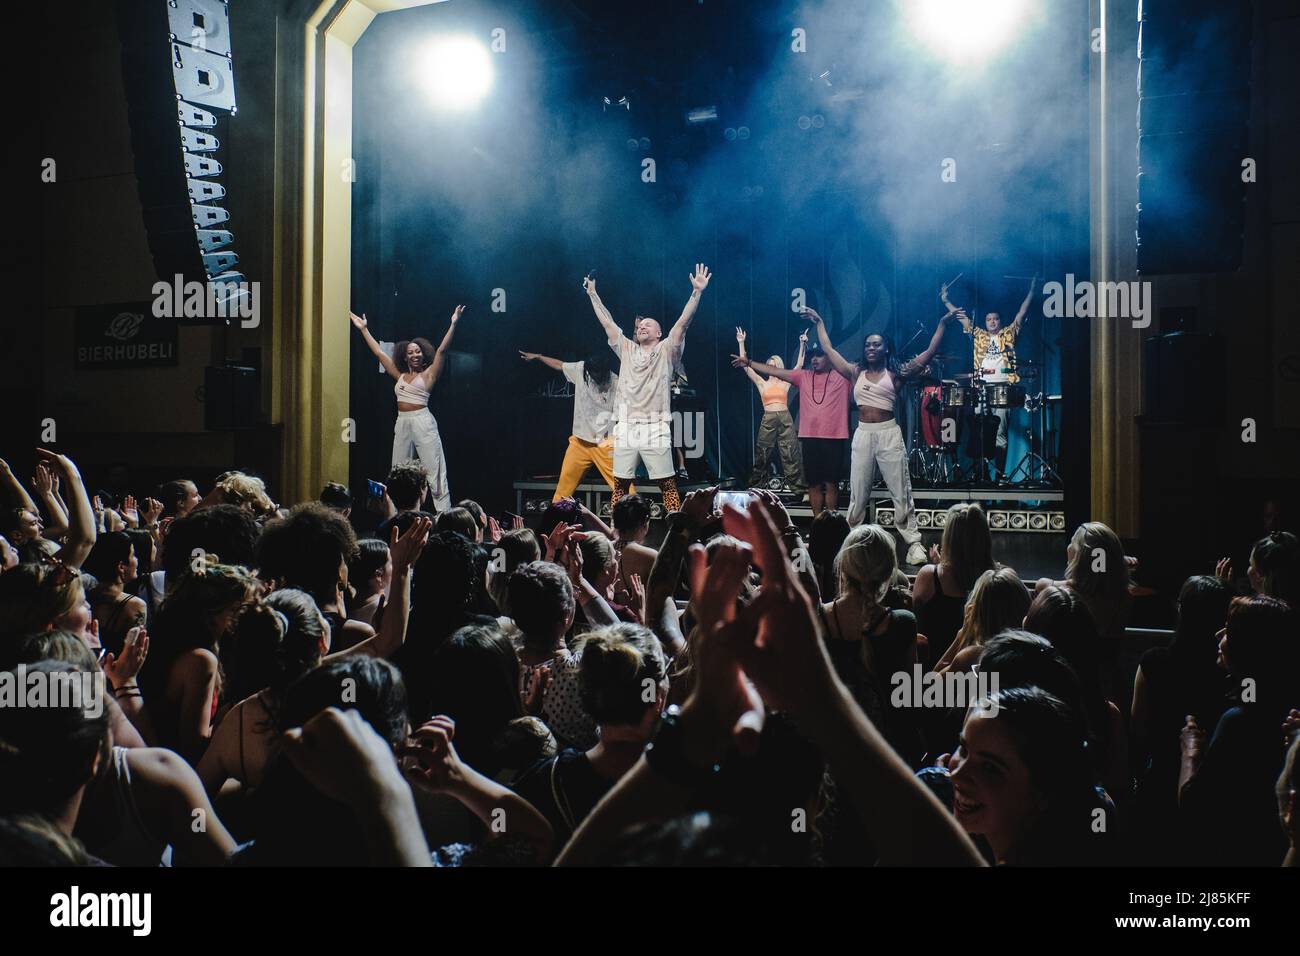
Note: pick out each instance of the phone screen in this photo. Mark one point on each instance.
(737, 499)
(376, 489)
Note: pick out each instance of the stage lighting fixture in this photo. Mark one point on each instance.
(967, 30)
(457, 72)
(702, 115)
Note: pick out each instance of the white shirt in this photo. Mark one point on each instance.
(993, 363)
(645, 380)
(593, 410)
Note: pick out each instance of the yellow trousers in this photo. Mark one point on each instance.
(578, 457)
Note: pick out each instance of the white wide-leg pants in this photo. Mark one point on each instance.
(880, 444)
(416, 436)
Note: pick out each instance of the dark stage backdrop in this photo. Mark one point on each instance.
(540, 187)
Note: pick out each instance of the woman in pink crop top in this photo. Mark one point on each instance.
(776, 430)
(416, 367)
(823, 421)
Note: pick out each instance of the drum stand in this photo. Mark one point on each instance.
(1037, 472)
(923, 464)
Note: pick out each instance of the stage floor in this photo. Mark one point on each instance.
(1033, 554)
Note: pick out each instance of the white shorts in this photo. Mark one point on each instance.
(650, 443)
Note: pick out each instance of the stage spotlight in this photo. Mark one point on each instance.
(457, 72)
(967, 30)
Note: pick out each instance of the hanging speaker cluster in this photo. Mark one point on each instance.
(178, 70)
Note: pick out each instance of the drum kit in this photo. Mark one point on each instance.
(938, 405)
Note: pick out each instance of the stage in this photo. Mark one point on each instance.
(1030, 531)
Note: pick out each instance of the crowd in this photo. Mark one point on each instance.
(455, 690)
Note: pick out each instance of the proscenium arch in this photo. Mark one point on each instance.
(311, 350)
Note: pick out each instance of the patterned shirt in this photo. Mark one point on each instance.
(996, 350)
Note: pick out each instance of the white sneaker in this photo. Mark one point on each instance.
(916, 555)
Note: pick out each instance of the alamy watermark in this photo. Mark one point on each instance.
(82, 690)
(1093, 300)
(947, 690)
(684, 430)
(179, 299)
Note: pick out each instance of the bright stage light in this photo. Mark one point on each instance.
(966, 30)
(457, 71)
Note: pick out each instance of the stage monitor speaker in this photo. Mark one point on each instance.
(1194, 96)
(230, 397)
(178, 71)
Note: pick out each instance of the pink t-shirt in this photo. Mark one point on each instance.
(823, 404)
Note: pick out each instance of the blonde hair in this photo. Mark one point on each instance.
(866, 563)
(776, 360)
(1111, 581)
(245, 491)
(998, 600)
(616, 663)
(967, 546)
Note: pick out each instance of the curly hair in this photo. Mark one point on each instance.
(407, 482)
(188, 617)
(305, 550)
(224, 530)
(399, 353)
(245, 491)
(541, 599)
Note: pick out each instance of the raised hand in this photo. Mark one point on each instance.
(722, 694)
(698, 506)
(1223, 570)
(455, 316)
(701, 277)
(405, 550)
(741, 361)
(528, 356)
(122, 669)
(340, 755)
(517, 523)
(570, 556)
(536, 696)
(130, 512)
(55, 462)
(359, 321)
(810, 315)
(152, 509)
(636, 596)
(493, 530)
(435, 766)
(1192, 736)
(1290, 728)
(803, 337)
(43, 480)
(776, 637)
(589, 285)
(741, 335)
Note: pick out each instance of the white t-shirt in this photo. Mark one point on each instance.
(645, 381)
(593, 410)
(993, 362)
